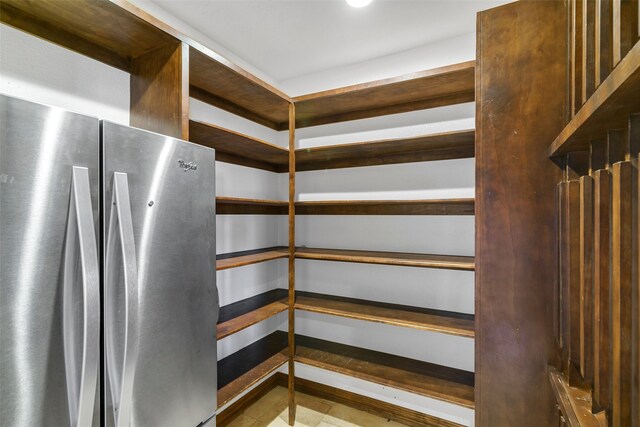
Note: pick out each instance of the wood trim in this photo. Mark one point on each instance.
(292, 262)
(367, 404)
(242, 258)
(452, 262)
(574, 403)
(240, 315)
(439, 321)
(387, 207)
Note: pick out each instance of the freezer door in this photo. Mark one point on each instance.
(161, 302)
(49, 269)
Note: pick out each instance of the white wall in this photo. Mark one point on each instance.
(39, 71)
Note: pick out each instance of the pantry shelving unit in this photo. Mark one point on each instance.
(167, 68)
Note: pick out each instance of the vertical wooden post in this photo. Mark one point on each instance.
(604, 43)
(577, 47)
(292, 261)
(588, 50)
(516, 119)
(586, 278)
(573, 302)
(621, 298)
(160, 90)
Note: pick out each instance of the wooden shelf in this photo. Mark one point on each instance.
(574, 403)
(451, 262)
(244, 368)
(387, 207)
(239, 149)
(426, 379)
(608, 108)
(441, 146)
(239, 206)
(452, 84)
(445, 322)
(247, 312)
(242, 258)
(217, 81)
(116, 32)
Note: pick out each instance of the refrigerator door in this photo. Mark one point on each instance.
(49, 269)
(159, 198)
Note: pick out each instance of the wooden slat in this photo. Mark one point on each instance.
(451, 262)
(445, 322)
(574, 403)
(239, 259)
(237, 148)
(387, 207)
(426, 379)
(621, 298)
(588, 49)
(577, 47)
(604, 43)
(571, 285)
(241, 206)
(635, 130)
(609, 107)
(437, 87)
(244, 368)
(586, 278)
(628, 25)
(247, 312)
(602, 291)
(563, 274)
(441, 146)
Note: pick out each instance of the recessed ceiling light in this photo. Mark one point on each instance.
(358, 3)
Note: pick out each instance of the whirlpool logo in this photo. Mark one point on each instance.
(187, 166)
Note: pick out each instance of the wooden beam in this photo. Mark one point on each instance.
(515, 215)
(160, 91)
(292, 261)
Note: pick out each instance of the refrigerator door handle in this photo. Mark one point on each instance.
(121, 323)
(81, 305)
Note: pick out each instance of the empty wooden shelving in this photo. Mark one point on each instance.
(240, 206)
(441, 321)
(441, 146)
(244, 368)
(452, 262)
(423, 378)
(387, 207)
(242, 258)
(452, 84)
(240, 149)
(247, 312)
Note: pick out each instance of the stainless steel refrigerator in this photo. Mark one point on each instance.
(108, 300)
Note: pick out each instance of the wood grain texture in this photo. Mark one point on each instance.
(441, 321)
(451, 262)
(635, 130)
(244, 368)
(241, 206)
(242, 258)
(387, 207)
(577, 49)
(292, 262)
(442, 146)
(604, 44)
(235, 90)
(588, 49)
(622, 293)
(367, 404)
(425, 379)
(234, 147)
(574, 403)
(602, 291)
(608, 108)
(572, 301)
(586, 277)
(438, 87)
(159, 91)
(516, 298)
(241, 314)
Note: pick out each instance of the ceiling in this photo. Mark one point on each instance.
(285, 39)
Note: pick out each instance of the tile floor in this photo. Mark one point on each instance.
(271, 410)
